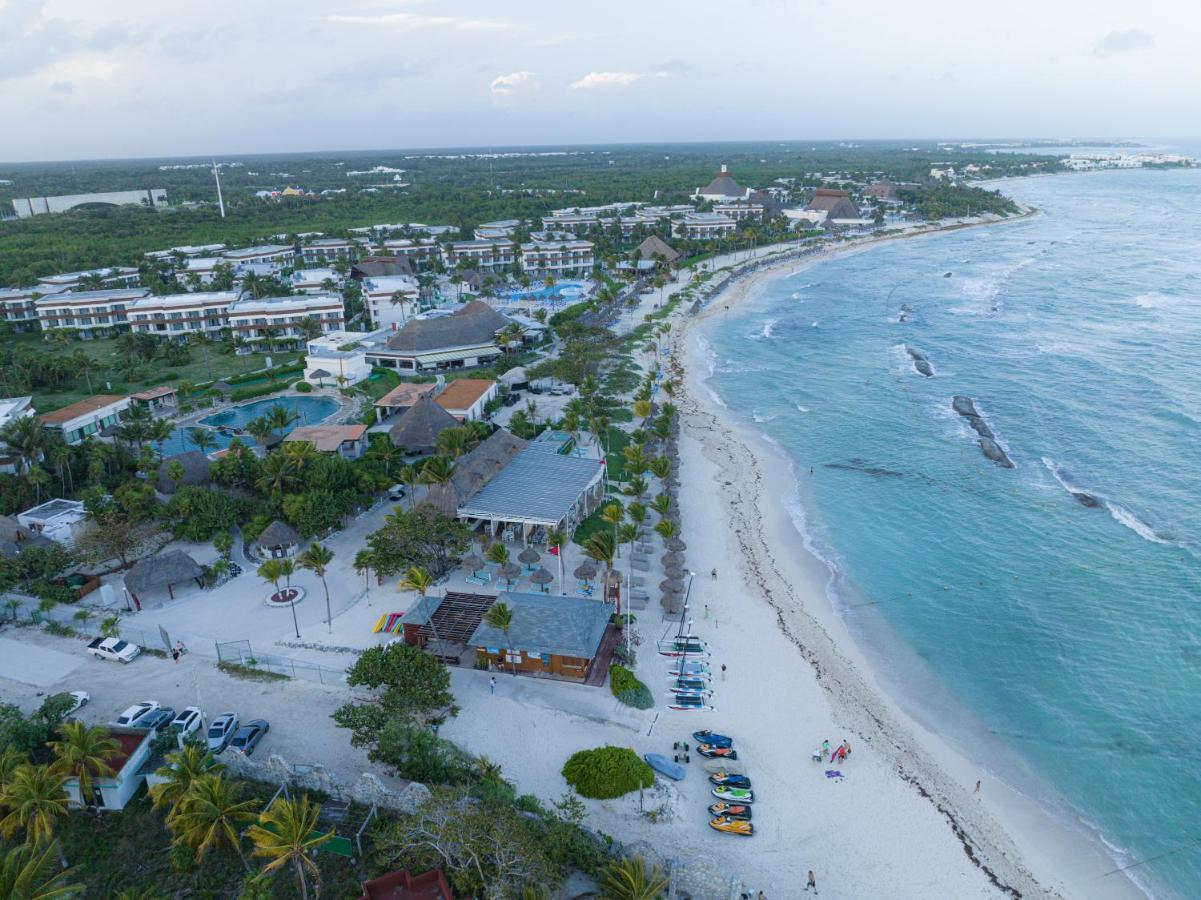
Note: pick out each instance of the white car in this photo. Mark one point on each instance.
(114, 648)
(136, 713)
(221, 731)
(188, 721)
(79, 699)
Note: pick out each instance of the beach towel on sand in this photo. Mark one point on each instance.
(835, 774)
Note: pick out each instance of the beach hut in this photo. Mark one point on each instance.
(278, 541)
(164, 570)
(195, 467)
(548, 635)
(418, 427)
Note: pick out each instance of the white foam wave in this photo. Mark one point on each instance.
(761, 419)
(769, 329)
(1157, 300)
(813, 325)
(1135, 524)
(1057, 473)
(802, 409)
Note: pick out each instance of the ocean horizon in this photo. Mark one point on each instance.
(1043, 617)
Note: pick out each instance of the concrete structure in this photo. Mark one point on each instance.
(739, 210)
(378, 292)
(435, 341)
(315, 281)
(252, 320)
(348, 441)
(40, 206)
(91, 313)
(59, 520)
(705, 226)
(557, 258)
(336, 358)
(187, 250)
(87, 417)
(549, 635)
(835, 203)
(491, 255)
(110, 277)
(13, 408)
(177, 315)
(400, 399)
(129, 764)
(18, 306)
(465, 398)
(323, 251)
(274, 257)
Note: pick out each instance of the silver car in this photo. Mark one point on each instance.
(221, 730)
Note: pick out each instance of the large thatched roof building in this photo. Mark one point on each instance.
(418, 427)
(162, 571)
(474, 470)
(836, 204)
(655, 244)
(195, 467)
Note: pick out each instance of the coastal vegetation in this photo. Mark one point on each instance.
(607, 772)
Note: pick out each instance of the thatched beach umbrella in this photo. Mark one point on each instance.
(613, 577)
(674, 572)
(676, 545)
(542, 577)
(529, 556)
(510, 570)
(671, 586)
(585, 571)
(671, 603)
(672, 559)
(472, 563)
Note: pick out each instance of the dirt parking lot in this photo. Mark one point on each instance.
(298, 711)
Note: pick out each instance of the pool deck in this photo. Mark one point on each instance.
(346, 407)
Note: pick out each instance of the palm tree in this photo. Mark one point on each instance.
(500, 617)
(278, 474)
(27, 439)
(364, 560)
(642, 409)
(35, 797)
(158, 432)
(556, 538)
(210, 816)
(452, 442)
(498, 553)
(388, 455)
(666, 528)
(437, 470)
(299, 454)
(636, 486)
(600, 547)
(82, 752)
(185, 766)
(612, 515)
(28, 873)
(631, 879)
(259, 429)
(279, 417)
(287, 833)
(202, 439)
(10, 760)
(416, 579)
(661, 504)
(315, 559)
(271, 572)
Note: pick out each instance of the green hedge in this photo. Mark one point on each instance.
(303, 387)
(628, 689)
(259, 390)
(607, 772)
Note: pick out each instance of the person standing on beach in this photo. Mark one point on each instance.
(977, 790)
(826, 749)
(812, 883)
(492, 684)
(723, 671)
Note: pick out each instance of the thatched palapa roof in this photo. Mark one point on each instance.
(472, 324)
(278, 534)
(655, 244)
(418, 427)
(162, 570)
(474, 470)
(195, 471)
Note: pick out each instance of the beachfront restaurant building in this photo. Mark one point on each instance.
(433, 341)
(549, 635)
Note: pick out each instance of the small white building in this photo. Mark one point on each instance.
(129, 762)
(87, 417)
(314, 281)
(379, 292)
(60, 520)
(465, 398)
(338, 358)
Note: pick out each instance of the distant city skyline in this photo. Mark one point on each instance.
(81, 80)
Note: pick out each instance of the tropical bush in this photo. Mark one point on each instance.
(303, 387)
(628, 689)
(607, 772)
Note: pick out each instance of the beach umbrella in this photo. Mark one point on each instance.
(584, 571)
(613, 577)
(676, 545)
(529, 556)
(672, 559)
(542, 577)
(671, 586)
(472, 562)
(510, 570)
(674, 572)
(671, 603)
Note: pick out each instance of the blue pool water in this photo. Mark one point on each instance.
(562, 290)
(308, 410)
(1058, 644)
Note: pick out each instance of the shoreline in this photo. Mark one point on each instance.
(1049, 854)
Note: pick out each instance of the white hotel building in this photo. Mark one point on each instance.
(18, 306)
(91, 313)
(377, 297)
(273, 257)
(415, 250)
(555, 258)
(323, 251)
(248, 319)
(177, 315)
(486, 255)
(705, 226)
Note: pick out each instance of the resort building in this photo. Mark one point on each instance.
(178, 315)
(556, 258)
(722, 188)
(391, 299)
(129, 765)
(161, 572)
(266, 323)
(315, 281)
(115, 276)
(883, 190)
(433, 341)
(155, 398)
(18, 307)
(400, 399)
(13, 408)
(86, 417)
(91, 313)
(323, 251)
(835, 203)
(188, 251)
(639, 224)
(739, 211)
(491, 255)
(489, 231)
(705, 226)
(58, 520)
(574, 222)
(200, 269)
(348, 441)
(416, 250)
(337, 358)
(272, 257)
(655, 248)
(549, 635)
(379, 266)
(418, 427)
(465, 398)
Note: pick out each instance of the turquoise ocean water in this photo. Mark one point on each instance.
(1058, 644)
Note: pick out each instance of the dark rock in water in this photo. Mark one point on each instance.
(1086, 499)
(980, 427)
(857, 465)
(947, 275)
(920, 363)
(993, 451)
(916, 354)
(964, 406)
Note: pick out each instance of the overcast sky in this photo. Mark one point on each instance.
(104, 78)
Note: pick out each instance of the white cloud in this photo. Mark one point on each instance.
(507, 84)
(605, 79)
(1122, 42)
(403, 21)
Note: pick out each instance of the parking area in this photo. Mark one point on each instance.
(298, 711)
(29, 664)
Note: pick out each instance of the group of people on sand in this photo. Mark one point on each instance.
(839, 754)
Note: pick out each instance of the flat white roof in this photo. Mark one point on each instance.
(199, 298)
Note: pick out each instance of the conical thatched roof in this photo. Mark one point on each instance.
(320, 373)
(472, 561)
(195, 471)
(655, 244)
(162, 570)
(278, 534)
(418, 427)
(585, 570)
(542, 577)
(529, 556)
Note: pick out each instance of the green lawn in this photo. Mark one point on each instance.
(594, 523)
(106, 377)
(618, 440)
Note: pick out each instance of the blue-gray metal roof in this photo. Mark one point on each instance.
(535, 486)
(550, 624)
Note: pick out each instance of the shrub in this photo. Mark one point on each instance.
(257, 390)
(607, 772)
(628, 689)
(303, 387)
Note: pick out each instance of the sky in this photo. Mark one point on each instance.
(82, 79)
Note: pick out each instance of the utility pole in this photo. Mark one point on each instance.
(220, 201)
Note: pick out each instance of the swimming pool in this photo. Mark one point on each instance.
(308, 411)
(562, 290)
